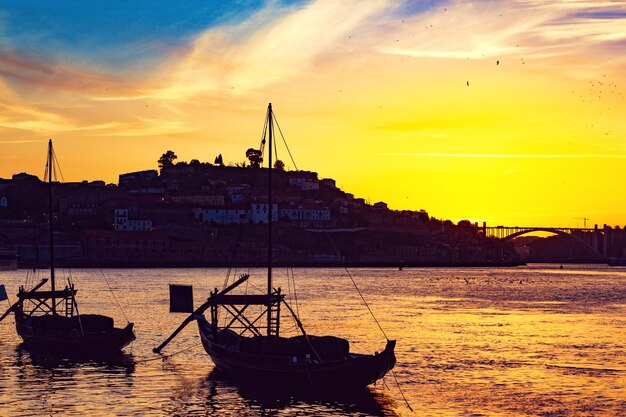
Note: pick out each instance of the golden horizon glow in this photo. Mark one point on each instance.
(506, 112)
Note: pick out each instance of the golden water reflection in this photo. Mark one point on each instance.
(533, 340)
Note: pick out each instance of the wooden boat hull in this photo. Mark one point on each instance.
(349, 374)
(70, 341)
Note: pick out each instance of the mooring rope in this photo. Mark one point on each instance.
(114, 297)
(400, 389)
(366, 304)
(358, 290)
(375, 319)
(163, 357)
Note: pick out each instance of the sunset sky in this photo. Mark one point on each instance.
(510, 112)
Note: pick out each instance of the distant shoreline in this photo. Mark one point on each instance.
(397, 265)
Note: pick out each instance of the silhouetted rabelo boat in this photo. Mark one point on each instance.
(50, 320)
(257, 354)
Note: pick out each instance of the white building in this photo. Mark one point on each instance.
(223, 215)
(123, 223)
(291, 213)
(238, 193)
(199, 199)
(304, 183)
(148, 175)
(306, 212)
(315, 213)
(259, 213)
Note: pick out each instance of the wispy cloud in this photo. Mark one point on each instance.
(32, 73)
(505, 156)
(22, 116)
(271, 46)
(534, 29)
(268, 47)
(12, 142)
(143, 127)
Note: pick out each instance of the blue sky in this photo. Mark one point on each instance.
(114, 32)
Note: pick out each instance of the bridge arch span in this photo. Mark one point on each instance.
(581, 243)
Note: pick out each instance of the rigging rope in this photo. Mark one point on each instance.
(275, 150)
(232, 261)
(232, 258)
(290, 293)
(69, 275)
(55, 166)
(295, 293)
(264, 132)
(285, 142)
(114, 297)
(358, 290)
(227, 279)
(32, 278)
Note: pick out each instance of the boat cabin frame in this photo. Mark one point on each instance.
(235, 305)
(60, 302)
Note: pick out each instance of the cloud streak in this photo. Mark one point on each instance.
(35, 74)
(12, 142)
(505, 156)
(534, 29)
(265, 49)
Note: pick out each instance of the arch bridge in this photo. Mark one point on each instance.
(594, 240)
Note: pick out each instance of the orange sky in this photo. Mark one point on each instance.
(371, 93)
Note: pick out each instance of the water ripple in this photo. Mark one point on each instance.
(534, 340)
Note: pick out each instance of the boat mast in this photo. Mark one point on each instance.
(270, 119)
(50, 162)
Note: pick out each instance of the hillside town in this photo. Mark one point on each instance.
(210, 214)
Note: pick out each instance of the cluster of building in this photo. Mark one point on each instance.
(191, 214)
(300, 198)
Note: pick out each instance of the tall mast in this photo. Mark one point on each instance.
(270, 120)
(50, 168)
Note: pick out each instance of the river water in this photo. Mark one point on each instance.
(535, 340)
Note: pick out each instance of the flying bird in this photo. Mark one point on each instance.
(467, 83)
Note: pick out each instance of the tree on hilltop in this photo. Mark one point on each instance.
(167, 159)
(255, 156)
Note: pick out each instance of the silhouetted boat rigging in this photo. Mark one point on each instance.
(253, 353)
(50, 320)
